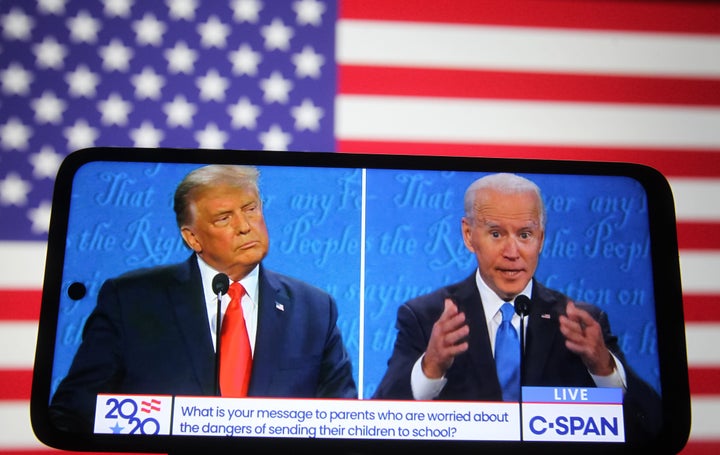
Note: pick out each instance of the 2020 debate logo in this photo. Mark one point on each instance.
(133, 414)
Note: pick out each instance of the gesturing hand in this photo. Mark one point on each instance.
(447, 340)
(583, 336)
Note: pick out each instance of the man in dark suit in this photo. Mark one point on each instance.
(445, 341)
(153, 331)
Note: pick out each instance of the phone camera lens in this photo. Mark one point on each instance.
(76, 291)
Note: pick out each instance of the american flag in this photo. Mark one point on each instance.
(584, 79)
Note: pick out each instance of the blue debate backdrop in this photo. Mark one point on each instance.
(373, 239)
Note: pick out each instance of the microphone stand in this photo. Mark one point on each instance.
(218, 321)
(522, 369)
(220, 285)
(522, 308)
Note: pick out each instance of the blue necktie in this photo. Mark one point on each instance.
(507, 355)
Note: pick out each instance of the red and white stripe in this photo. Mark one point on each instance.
(613, 80)
(605, 81)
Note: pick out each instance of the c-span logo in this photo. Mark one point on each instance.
(133, 414)
(572, 414)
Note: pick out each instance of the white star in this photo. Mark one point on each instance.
(277, 35)
(182, 9)
(308, 63)
(244, 114)
(16, 80)
(146, 136)
(114, 110)
(14, 134)
(48, 108)
(274, 139)
(14, 190)
(245, 60)
(276, 88)
(17, 25)
(246, 10)
(83, 28)
(181, 59)
(213, 33)
(211, 137)
(179, 112)
(40, 217)
(51, 6)
(45, 163)
(307, 116)
(80, 135)
(117, 8)
(49, 53)
(149, 30)
(82, 82)
(116, 56)
(147, 84)
(309, 12)
(212, 86)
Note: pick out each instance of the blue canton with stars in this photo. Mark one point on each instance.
(236, 74)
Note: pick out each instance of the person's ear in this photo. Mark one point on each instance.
(466, 226)
(190, 240)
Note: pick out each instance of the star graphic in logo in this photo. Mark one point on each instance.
(117, 429)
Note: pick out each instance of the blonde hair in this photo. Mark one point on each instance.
(237, 176)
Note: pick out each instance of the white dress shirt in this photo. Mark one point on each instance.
(249, 300)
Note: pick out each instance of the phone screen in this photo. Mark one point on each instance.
(372, 232)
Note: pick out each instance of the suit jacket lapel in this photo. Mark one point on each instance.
(274, 309)
(542, 331)
(466, 293)
(187, 301)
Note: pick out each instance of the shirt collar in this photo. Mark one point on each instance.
(250, 282)
(490, 300)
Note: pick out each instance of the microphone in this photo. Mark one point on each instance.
(220, 286)
(522, 308)
(522, 305)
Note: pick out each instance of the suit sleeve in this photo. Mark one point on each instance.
(95, 367)
(410, 343)
(336, 380)
(642, 405)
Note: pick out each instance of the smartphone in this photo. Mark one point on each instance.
(373, 232)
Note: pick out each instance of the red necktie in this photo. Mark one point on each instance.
(235, 352)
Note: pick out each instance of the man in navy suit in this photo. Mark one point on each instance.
(153, 330)
(445, 339)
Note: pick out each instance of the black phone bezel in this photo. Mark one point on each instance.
(666, 274)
